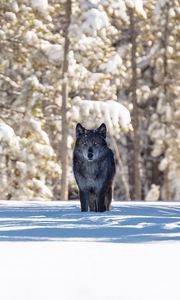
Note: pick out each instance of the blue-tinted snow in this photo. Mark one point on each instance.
(127, 222)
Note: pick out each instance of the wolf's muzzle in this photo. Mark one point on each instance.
(90, 155)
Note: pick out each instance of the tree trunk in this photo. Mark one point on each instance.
(121, 169)
(130, 156)
(135, 116)
(167, 185)
(64, 126)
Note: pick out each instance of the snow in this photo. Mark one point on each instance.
(139, 8)
(31, 37)
(138, 5)
(8, 140)
(43, 150)
(54, 52)
(163, 164)
(159, 5)
(10, 16)
(35, 125)
(50, 250)
(41, 188)
(120, 9)
(6, 132)
(40, 5)
(113, 65)
(14, 6)
(94, 20)
(113, 113)
(153, 194)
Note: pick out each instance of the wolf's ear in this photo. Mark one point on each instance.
(102, 130)
(79, 130)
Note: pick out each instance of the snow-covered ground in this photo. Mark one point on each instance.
(50, 250)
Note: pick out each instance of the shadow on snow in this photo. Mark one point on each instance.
(125, 223)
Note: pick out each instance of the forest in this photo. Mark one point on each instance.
(89, 61)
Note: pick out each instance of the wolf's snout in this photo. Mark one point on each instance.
(90, 153)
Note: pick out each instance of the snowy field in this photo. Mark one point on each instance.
(50, 250)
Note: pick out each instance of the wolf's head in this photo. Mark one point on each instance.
(91, 143)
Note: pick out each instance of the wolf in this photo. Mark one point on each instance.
(94, 168)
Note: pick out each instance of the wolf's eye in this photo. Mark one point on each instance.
(94, 143)
(84, 144)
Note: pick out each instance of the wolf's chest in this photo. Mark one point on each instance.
(90, 175)
(89, 182)
(93, 170)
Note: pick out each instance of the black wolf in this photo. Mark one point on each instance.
(94, 168)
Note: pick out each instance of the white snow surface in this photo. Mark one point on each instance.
(50, 250)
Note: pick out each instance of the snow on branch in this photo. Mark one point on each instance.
(9, 142)
(40, 5)
(94, 20)
(40, 188)
(54, 52)
(113, 65)
(35, 126)
(138, 6)
(6, 132)
(114, 114)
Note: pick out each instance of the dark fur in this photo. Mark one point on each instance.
(94, 168)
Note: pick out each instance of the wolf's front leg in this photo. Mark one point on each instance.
(101, 201)
(108, 197)
(84, 199)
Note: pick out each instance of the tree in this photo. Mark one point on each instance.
(163, 129)
(30, 165)
(64, 126)
(136, 140)
(46, 82)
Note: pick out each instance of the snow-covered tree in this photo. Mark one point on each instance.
(99, 81)
(164, 127)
